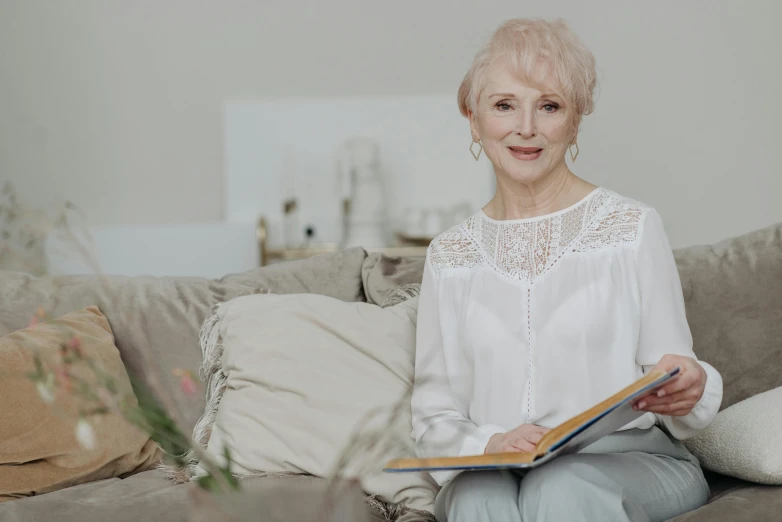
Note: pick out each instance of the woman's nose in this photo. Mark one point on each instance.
(526, 127)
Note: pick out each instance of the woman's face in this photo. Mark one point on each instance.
(524, 131)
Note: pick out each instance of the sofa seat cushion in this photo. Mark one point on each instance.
(145, 496)
(151, 496)
(743, 501)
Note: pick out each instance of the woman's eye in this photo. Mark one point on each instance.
(550, 107)
(503, 106)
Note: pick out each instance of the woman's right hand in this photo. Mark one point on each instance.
(523, 438)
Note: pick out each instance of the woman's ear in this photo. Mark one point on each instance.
(476, 136)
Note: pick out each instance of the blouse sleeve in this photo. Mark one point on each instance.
(664, 328)
(440, 428)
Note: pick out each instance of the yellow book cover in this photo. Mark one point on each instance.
(571, 436)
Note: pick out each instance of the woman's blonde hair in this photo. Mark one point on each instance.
(522, 43)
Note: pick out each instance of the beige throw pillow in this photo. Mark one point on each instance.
(744, 440)
(302, 373)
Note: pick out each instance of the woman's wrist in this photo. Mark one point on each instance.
(489, 444)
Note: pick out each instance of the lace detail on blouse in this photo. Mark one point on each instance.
(526, 249)
(454, 249)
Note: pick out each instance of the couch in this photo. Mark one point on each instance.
(733, 292)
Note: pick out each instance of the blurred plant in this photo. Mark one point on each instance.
(25, 240)
(27, 236)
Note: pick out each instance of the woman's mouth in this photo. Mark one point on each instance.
(525, 153)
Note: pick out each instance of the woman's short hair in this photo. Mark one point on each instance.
(521, 43)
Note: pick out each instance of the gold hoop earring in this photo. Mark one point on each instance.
(480, 149)
(570, 149)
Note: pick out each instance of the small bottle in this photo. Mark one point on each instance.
(309, 235)
(290, 224)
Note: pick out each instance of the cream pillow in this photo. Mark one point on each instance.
(744, 440)
(301, 373)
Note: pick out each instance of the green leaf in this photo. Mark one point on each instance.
(159, 424)
(210, 483)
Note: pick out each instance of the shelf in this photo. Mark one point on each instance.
(290, 254)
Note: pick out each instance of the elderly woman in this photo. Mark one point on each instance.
(551, 298)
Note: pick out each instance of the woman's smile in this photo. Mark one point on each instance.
(525, 153)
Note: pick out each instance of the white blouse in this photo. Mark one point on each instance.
(532, 321)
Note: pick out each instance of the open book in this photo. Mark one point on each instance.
(571, 436)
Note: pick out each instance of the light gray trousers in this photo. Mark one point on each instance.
(634, 475)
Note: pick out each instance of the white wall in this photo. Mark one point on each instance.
(117, 105)
(202, 250)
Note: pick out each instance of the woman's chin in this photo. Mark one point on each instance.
(525, 177)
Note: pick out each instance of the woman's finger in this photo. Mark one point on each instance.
(690, 394)
(667, 409)
(656, 391)
(653, 400)
(680, 383)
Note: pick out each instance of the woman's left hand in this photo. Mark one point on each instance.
(679, 395)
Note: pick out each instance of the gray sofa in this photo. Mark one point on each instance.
(733, 293)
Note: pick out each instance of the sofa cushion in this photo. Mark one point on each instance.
(300, 498)
(748, 502)
(156, 320)
(382, 275)
(39, 451)
(292, 403)
(733, 296)
(145, 496)
(150, 496)
(744, 440)
(336, 275)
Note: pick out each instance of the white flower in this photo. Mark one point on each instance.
(45, 391)
(85, 435)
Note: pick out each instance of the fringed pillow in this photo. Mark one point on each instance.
(293, 381)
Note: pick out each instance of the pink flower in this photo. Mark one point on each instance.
(188, 385)
(75, 344)
(63, 379)
(105, 398)
(73, 347)
(40, 315)
(186, 381)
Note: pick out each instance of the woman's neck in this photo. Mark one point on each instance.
(521, 201)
